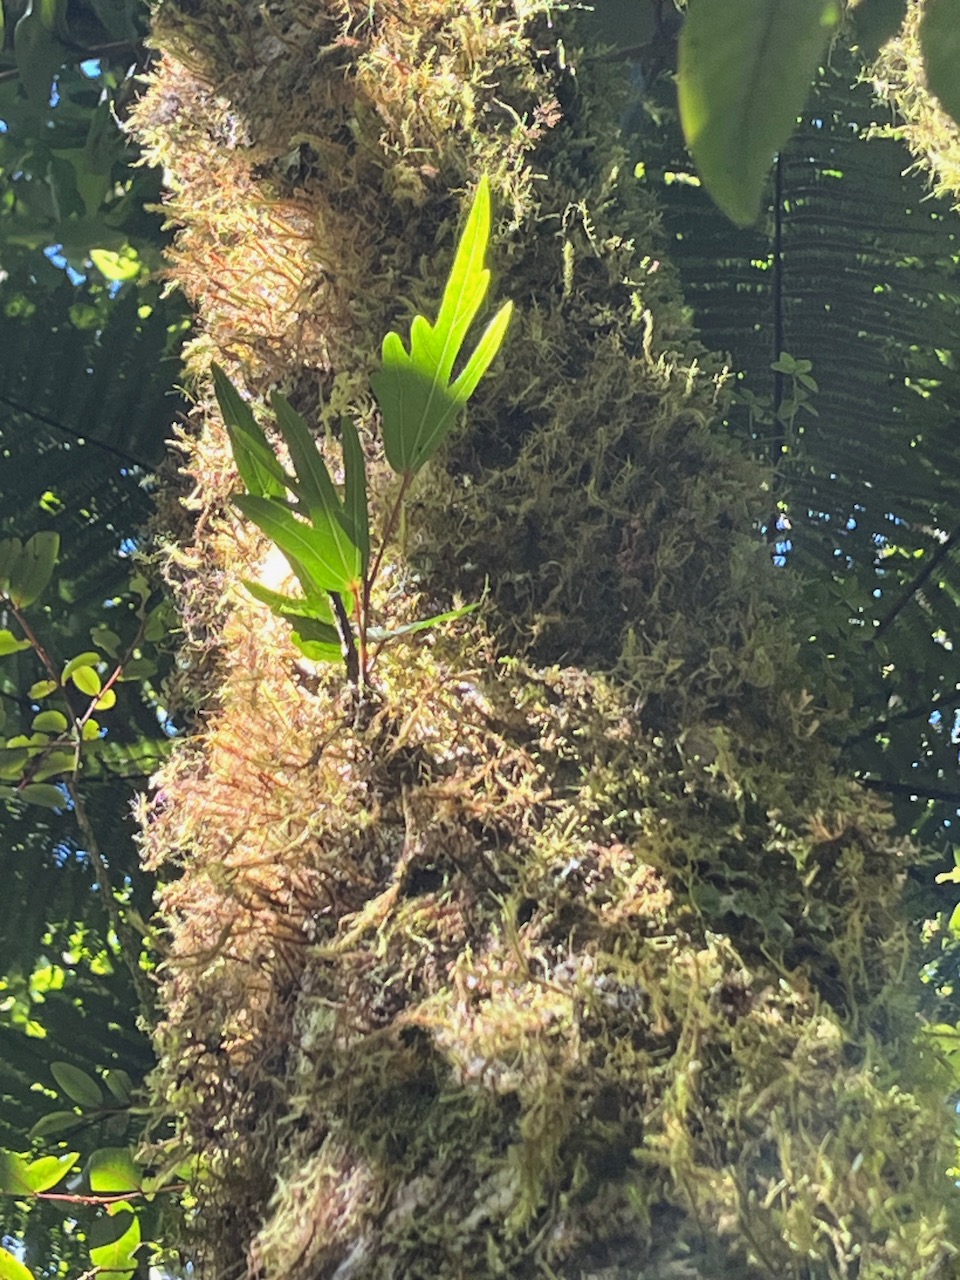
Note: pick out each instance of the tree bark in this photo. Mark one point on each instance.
(576, 956)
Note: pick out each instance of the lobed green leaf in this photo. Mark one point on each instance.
(417, 402)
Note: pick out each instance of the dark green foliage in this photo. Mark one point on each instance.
(853, 270)
(79, 432)
(66, 166)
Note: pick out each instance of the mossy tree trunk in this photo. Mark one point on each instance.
(572, 953)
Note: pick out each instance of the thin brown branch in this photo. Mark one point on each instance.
(911, 790)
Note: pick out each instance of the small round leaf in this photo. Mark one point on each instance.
(87, 681)
(50, 722)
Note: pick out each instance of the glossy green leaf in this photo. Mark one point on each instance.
(319, 553)
(90, 731)
(940, 45)
(112, 1170)
(10, 644)
(117, 266)
(50, 722)
(12, 1268)
(34, 568)
(317, 640)
(42, 689)
(317, 607)
(78, 1085)
(86, 659)
(745, 70)
(119, 1257)
(106, 700)
(258, 465)
(417, 401)
(21, 1176)
(87, 680)
(313, 484)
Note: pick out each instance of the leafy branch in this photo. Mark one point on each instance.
(42, 766)
(109, 1178)
(325, 534)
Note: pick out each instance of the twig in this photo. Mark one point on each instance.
(911, 790)
(897, 608)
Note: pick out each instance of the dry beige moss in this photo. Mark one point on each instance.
(569, 954)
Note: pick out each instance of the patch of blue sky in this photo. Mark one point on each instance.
(54, 253)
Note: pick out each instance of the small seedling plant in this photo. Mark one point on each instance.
(324, 530)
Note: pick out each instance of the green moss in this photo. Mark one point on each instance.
(573, 953)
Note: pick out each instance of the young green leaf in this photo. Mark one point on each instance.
(313, 484)
(258, 465)
(940, 45)
(317, 607)
(87, 680)
(745, 69)
(12, 1268)
(118, 1257)
(317, 641)
(33, 568)
(50, 722)
(10, 644)
(42, 689)
(86, 659)
(112, 1170)
(417, 402)
(21, 1176)
(319, 553)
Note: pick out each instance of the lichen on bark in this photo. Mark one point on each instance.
(572, 953)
